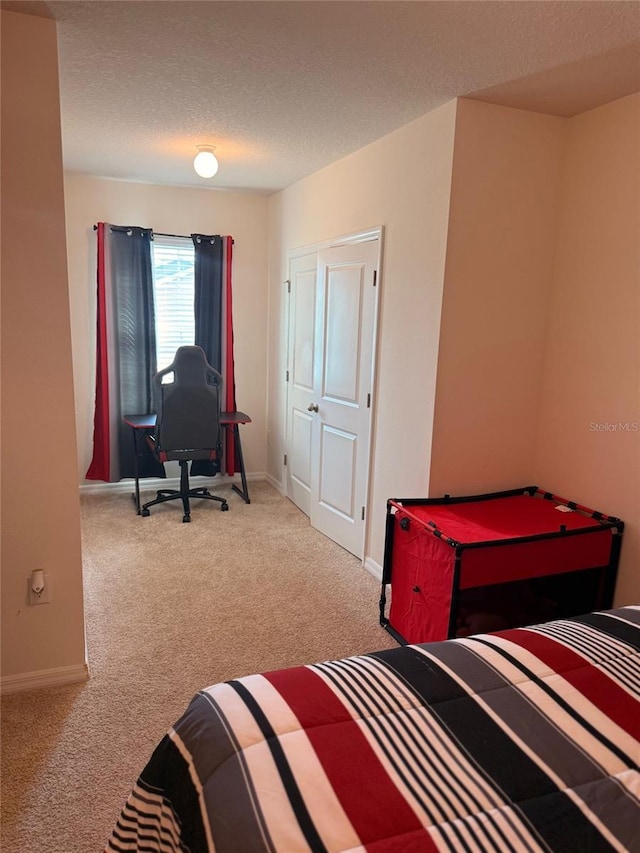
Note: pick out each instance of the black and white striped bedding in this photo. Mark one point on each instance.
(523, 740)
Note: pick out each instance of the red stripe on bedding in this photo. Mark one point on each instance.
(594, 684)
(378, 811)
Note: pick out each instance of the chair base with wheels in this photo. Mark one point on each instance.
(183, 494)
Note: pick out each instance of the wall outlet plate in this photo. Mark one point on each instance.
(45, 595)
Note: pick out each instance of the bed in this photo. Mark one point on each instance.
(526, 739)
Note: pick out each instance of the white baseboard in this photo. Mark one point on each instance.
(151, 484)
(373, 568)
(277, 485)
(43, 678)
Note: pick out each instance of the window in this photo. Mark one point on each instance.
(173, 284)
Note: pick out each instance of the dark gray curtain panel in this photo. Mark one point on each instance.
(208, 293)
(208, 268)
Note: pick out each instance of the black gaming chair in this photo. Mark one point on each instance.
(188, 422)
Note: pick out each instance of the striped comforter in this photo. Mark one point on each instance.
(523, 740)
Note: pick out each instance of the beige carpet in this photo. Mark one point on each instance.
(171, 608)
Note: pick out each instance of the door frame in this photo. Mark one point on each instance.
(374, 233)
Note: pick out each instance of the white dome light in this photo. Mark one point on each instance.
(205, 162)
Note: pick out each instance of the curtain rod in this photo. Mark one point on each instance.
(163, 234)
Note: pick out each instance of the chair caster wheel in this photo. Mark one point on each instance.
(224, 507)
(145, 513)
(186, 519)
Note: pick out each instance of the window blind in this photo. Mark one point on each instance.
(173, 281)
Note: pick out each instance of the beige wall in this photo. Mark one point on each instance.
(40, 507)
(403, 183)
(500, 249)
(529, 334)
(172, 210)
(591, 380)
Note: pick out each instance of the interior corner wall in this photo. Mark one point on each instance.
(40, 504)
(497, 286)
(401, 182)
(173, 210)
(588, 442)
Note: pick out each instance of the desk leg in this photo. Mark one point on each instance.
(244, 492)
(136, 496)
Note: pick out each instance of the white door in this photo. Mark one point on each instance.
(331, 353)
(300, 378)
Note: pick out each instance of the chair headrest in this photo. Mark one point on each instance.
(190, 366)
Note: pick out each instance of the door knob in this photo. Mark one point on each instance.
(312, 407)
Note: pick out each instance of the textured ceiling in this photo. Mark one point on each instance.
(283, 88)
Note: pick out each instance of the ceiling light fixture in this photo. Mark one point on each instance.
(205, 162)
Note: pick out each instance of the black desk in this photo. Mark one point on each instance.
(229, 420)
